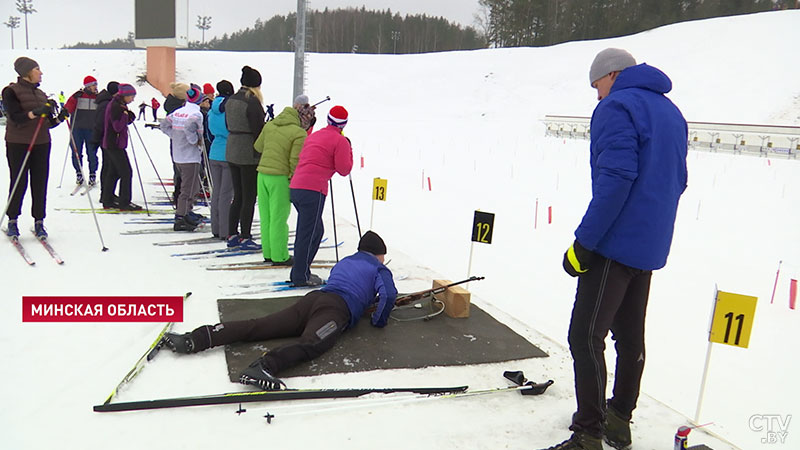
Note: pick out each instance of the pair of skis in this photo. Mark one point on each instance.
(520, 384)
(27, 257)
(84, 189)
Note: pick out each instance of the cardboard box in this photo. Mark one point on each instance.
(456, 299)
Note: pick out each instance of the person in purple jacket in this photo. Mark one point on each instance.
(324, 153)
(317, 319)
(115, 141)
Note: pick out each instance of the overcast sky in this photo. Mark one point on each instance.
(65, 22)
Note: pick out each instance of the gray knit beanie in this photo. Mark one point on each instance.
(610, 60)
(301, 100)
(23, 65)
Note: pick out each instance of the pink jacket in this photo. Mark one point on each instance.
(324, 153)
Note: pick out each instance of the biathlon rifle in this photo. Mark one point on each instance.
(414, 296)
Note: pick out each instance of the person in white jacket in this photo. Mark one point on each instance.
(185, 127)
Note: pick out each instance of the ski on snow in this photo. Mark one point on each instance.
(259, 265)
(223, 250)
(267, 396)
(49, 248)
(148, 355)
(22, 252)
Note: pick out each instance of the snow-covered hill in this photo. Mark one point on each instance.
(452, 133)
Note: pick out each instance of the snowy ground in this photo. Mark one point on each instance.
(469, 122)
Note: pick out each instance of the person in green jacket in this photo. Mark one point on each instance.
(279, 143)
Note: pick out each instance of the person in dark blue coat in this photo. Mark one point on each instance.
(638, 168)
(317, 319)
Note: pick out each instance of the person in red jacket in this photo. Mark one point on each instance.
(155, 104)
(324, 153)
(83, 109)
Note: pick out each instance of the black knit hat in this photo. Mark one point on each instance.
(225, 88)
(250, 77)
(372, 243)
(112, 87)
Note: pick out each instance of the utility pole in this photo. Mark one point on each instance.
(25, 7)
(299, 50)
(13, 22)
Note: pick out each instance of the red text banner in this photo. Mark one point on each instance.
(102, 309)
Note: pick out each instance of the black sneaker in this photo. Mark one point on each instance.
(257, 375)
(179, 343)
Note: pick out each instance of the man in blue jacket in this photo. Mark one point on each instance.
(317, 319)
(638, 166)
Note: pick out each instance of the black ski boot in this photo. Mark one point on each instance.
(179, 343)
(257, 375)
(579, 441)
(617, 429)
(182, 224)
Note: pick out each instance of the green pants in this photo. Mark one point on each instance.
(273, 209)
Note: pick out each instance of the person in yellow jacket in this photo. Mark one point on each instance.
(279, 143)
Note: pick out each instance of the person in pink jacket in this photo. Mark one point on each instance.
(324, 153)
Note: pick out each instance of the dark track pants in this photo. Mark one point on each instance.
(245, 185)
(317, 319)
(611, 296)
(309, 206)
(119, 170)
(38, 168)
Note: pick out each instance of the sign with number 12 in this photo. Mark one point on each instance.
(482, 227)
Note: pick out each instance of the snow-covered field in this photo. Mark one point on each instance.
(469, 124)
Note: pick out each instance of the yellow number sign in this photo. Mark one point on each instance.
(733, 319)
(379, 189)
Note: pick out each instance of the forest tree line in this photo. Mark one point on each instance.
(514, 23)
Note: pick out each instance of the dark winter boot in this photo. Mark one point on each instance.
(38, 228)
(179, 343)
(92, 179)
(79, 179)
(617, 430)
(579, 441)
(181, 224)
(288, 263)
(13, 229)
(194, 218)
(258, 375)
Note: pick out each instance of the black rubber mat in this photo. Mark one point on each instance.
(440, 341)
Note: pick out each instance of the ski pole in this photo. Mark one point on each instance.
(88, 195)
(139, 174)
(333, 213)
(355, 207)
(160, 181)
(64, 167)
(22, 168)
(207, 169)
(327, 97)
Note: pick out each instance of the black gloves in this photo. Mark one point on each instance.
(44, 110)
(270, 112)
(62, 116)
(131, 116)
(577, 259)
